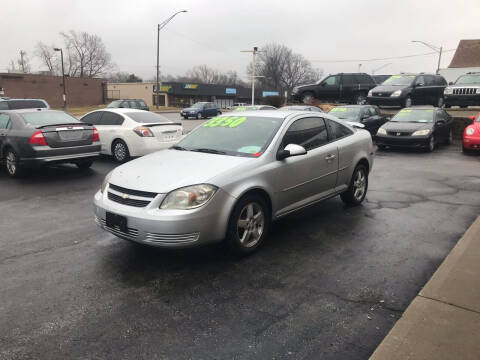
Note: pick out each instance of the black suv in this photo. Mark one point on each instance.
(350, 88)
(464, 92)
(129, 103)
(405, 90)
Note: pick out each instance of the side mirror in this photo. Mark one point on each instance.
(420, 84)
(450, 83)
(291, 150)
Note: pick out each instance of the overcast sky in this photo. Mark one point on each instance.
(214, 31)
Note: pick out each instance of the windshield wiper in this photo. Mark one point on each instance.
(210, 151)
(178, 147)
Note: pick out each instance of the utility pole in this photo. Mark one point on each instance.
(159, 27)
(64, 95)
(22, 64)
(434, 48)
(254, 52)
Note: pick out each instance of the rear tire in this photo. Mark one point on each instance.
(83, 165)
(431, 144)
(440, 102)
(249, 225)
(357, 190)
(360, 99)
(185, 117)
(120, 151)
(12, 165)
(199, 116)
(408, 102)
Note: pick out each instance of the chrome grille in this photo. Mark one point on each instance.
(130, 234)
(127, 201)
(464, 91)
(172, 238)
(381, 94)
(398, 133)
(132, 192)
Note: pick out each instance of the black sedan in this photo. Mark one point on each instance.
(368, 115)
(35, 137)
(416, 128)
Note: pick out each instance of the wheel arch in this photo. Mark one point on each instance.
(258, 191)
(364, 161)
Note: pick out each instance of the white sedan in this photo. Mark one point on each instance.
(126, 133)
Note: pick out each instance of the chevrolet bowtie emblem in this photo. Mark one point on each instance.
(125, 196)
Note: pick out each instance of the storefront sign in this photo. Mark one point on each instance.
(163, 88)
(190, 86)
(231, 91)
(270, 93)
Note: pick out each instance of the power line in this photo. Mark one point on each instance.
(380, 59)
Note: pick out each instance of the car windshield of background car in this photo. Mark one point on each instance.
(410, 115)
(398, 80)
(48, 118)
(343, 112)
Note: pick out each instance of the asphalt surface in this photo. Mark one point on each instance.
(328, 284)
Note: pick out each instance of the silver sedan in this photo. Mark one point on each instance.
(232, 176)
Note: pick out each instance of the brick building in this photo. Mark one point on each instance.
(80, 91)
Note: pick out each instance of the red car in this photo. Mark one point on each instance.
(471, 135)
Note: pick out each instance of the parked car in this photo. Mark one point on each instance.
(126, 133)
(368, 115)
(301, 108)
(418, 127)
(128, 103)
(34, 137)
(379, 79)
(254, 107)
(200, 110)
(235, 105)
(464, 92)
(405, 90)
(231, 176)
(350, 88)
(15, 104)
(471, 135)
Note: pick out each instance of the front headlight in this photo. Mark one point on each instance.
(189, 197)
(421, 132)
(477, 91)
(396, 93)
(470, 131)
(448, 91)
(105, 181)
(382, 131)
(192, 111)
(370, 93)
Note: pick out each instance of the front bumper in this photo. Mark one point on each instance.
(402, 141)
(462, 100)
(168, 228)
(386, 100)
(188, 114)
(471, 143)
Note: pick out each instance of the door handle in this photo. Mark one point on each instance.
(330, 157)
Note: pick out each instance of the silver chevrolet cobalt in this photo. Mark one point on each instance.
(231, 176)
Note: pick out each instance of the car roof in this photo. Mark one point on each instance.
(422, 107)
(26, 99)
(119, 110)
(20, 111)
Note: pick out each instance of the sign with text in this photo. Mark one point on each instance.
(270, 93)
(231, 91)
(163, 88)
(190, 86)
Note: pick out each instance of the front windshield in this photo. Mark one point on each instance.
(48, 118)
(246, 108)
(114, 104)
(397, 80)
(232, 135)
(343, 112)
(411, 115)
(468, 80)
(146, 117)
(198, 105)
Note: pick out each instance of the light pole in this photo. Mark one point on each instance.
(254, 52)
(161, 26)
(63, 80)
(434, 48)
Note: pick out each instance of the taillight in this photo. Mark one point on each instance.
(38, 139)
(96, 137)
(143, 131)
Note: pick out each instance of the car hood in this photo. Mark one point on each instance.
(167, 170)
(406, 126)
(388, 88)
(455, 86)
(190, 108)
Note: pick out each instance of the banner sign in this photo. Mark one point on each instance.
(231, 91)
(163, 88)
(270, 93)
(190, 86)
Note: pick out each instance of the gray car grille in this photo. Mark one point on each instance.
(130, 197)
(172, 238)
(127, 201)
(130, 234)
(398, 133)
(464, 91)
(382, 94)
(132, 192)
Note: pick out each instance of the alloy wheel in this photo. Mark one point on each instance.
(359, 184)
(11, 163)
(360, 99)
(250, 224)
(120, 151)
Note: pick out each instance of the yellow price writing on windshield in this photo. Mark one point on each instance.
(225, 121)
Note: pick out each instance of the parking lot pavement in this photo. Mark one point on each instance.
(328, 284)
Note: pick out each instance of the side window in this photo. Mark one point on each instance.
(331, 80)
(132, 104)
(420, 80)
(338, 130)
(377, 110)
(429, 80)
(440, 80)
(3, 105)
(4, 121)
(93, 118)
(372, 111)
(349, 80)
(110, 118)
(308, 132)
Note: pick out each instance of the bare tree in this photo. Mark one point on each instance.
(282, 69)
(86, 55)
(20, 65)
(48, 57)
(122, 77)
(206, 75)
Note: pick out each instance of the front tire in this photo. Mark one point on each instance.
(120, 151)
(357, 190)
(360, 99)
(408, 102)
(199, 116)
(12, 164)
(249, 225)
(431, 144)
(307, 98)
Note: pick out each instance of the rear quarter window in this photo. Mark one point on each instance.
(338, 130)
(26, 104)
